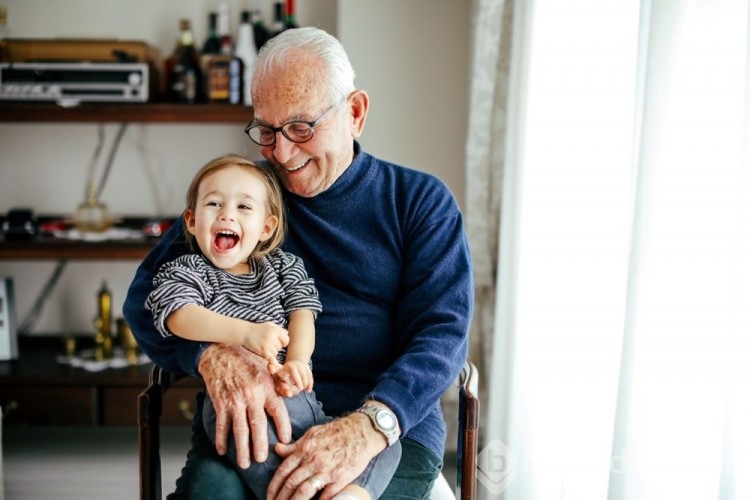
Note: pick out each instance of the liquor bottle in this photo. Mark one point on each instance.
(223, 22)
(290, 21)
(260, 32)
(225, 75)
(184, 76)
(278, 18)
(247, 52)
(211, 47)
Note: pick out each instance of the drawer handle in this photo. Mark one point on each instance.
(184, 407)
(9, 407)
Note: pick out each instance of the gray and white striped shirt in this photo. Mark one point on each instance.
(276, 285)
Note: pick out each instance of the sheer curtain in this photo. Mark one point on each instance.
(621, 354)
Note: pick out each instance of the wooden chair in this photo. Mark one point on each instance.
(150, 411)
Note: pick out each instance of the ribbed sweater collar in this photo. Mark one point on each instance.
(356, 176)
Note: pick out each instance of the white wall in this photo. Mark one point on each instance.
(409, 54)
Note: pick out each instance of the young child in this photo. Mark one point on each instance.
(241, 288)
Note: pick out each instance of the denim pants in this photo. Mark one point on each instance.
(206, 474)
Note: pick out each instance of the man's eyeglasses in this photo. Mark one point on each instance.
(296, 131)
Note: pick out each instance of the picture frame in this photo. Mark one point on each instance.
(8, 326)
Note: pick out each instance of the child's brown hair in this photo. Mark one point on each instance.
(273, 189)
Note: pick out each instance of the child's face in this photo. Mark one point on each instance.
(231, 217)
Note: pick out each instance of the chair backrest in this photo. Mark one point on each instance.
(150, 411)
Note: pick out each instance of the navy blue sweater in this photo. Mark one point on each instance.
(388, 253)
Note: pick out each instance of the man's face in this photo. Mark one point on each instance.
(298, 91)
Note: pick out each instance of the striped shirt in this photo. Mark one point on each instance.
(276, 285)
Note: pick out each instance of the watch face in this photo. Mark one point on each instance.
(386, 420)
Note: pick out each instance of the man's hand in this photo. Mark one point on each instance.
(242, 392)
(327, 457)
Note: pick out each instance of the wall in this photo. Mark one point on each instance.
(415, 74)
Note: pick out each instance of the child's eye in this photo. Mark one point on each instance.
(245, 207)
(213, 204)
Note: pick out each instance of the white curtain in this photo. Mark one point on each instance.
(621, 353)
(485, 155)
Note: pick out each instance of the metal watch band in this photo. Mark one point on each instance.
(384, 421)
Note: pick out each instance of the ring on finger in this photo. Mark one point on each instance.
(315, 482)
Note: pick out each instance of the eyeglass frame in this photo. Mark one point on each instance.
(275, 130)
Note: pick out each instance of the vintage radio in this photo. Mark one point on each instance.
(83, 70)
(80, 82)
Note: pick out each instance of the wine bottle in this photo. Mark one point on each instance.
(184, 76)
(290, 21)
(278, 18)
(212, 44)
(260, 32)
(246, 51)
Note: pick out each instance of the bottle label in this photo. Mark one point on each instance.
(218, 78)
(184, 84)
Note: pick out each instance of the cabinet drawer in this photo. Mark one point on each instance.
(48, 405)
(120, 405)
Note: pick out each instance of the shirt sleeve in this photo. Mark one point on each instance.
(299, 289)
(173, 353)
(178, 283)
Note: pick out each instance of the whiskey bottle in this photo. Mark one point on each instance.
(184, 76)
(211, 47)
(225, 75)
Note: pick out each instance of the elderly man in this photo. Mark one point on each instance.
(387, 250)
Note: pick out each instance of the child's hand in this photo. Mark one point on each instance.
(293, 376)
(266, 340)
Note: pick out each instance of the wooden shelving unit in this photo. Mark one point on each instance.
(46, 248)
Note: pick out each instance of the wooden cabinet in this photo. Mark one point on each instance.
(37, 390)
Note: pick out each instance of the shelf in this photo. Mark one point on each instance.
(47, 247)
(58, 249)
(132, 113)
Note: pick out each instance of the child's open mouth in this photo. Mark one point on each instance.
(226, 240)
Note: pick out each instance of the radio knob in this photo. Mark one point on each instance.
(134, 79)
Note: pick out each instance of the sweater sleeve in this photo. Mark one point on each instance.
(172, 353)
(434, 309)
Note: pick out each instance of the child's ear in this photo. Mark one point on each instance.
(269, 227)
(189, 218)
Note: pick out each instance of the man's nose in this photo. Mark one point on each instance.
(283, 149)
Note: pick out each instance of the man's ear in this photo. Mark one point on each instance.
(360, 104)
(189, 219)
(270, 225)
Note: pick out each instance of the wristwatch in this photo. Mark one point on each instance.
(384, 421)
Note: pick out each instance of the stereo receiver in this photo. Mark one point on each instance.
(74, 81)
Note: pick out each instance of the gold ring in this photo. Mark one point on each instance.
(316, 482)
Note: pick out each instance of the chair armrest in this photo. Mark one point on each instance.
(468, 432)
